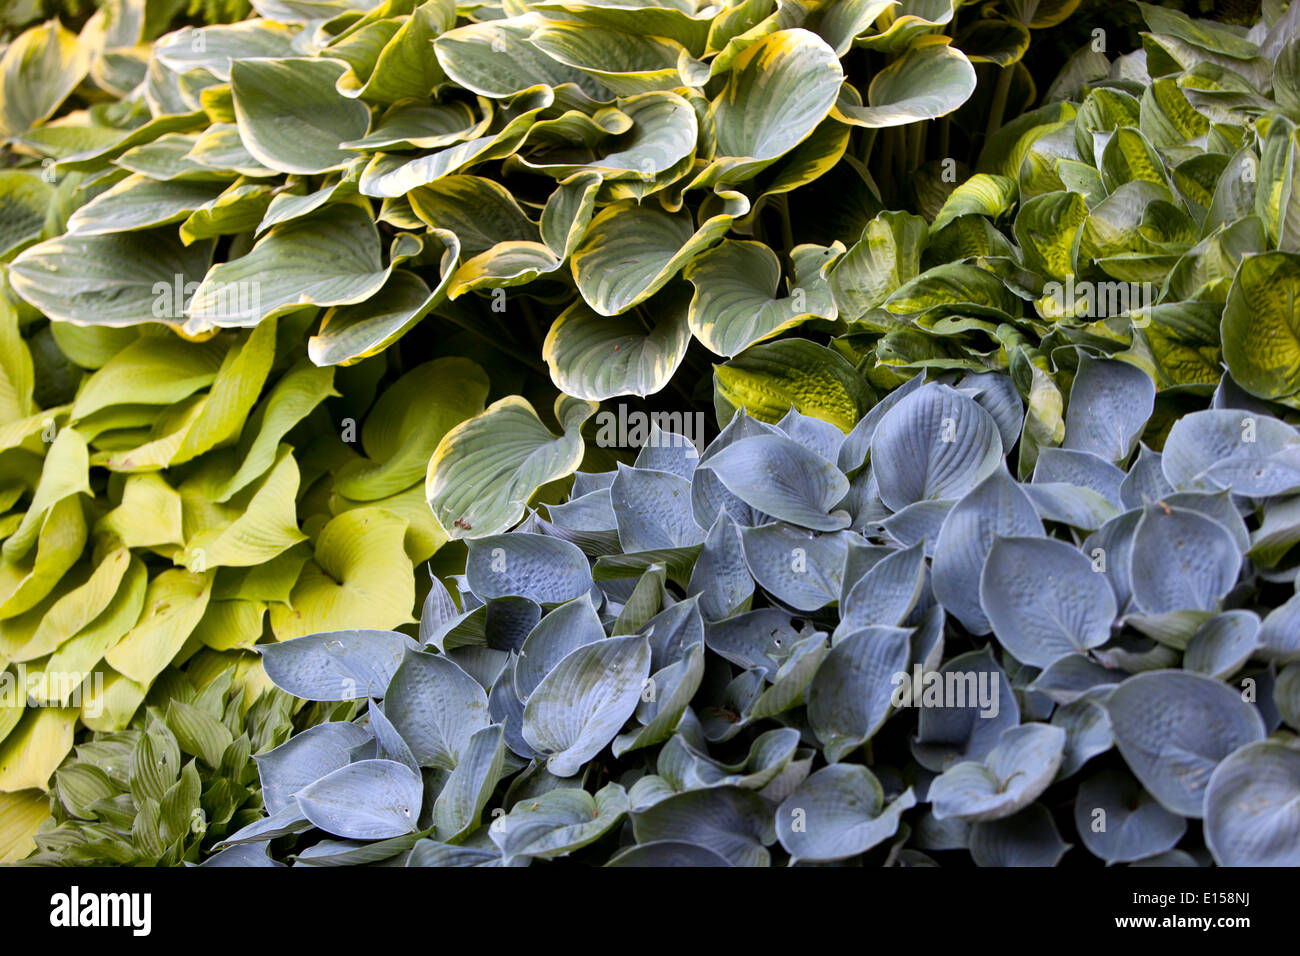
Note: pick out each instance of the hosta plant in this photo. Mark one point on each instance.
(801, 645)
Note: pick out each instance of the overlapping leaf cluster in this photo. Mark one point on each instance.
(710, 648)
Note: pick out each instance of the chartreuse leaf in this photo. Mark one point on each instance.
(770, 378)
(266, 527)
(838, 812)
(1261, 325)
(485, 469)
(1173, 728)
(65, 474)
(77, 608)
(21, 814)
(406, 423)
(291, 117)
(1251, 806)
(33, 750)
(173, 606)
(37, 72)
(581, 705)
(361, 577)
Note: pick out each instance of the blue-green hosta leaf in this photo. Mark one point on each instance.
(1110, 403)
(781, 478)
(673, 632)
(498, 59)
(1087, 728)
(653, 509)
(436, 708)
(997, 506)
(291, 117)
(886, 594)
(838, 812)
(584, 701)
(624, 62)
(559, 821)
(918, 523)
(670, 451)
(1182, 560)
(936, 443)
(965, 707)
(734, 823)
(1044, 600)
(1252, 807)
(803, 571)
(343, 665)
(1254, 455)
(630, 251)
(304, 759)
(541, 568)
(1011, 777)
(485, 469)
(561, 632)
(667, 853)
(1173, 728)
(672, 688)
(1029, 838)
(1279, 635)
(460, 804)
(1120, 822)
(367, 800)
(331, 257)
(852, 692)
(737, 303)
(429, 852)
(596, 357)
(1223, 644)
(1145, 480)
(857, 444)
(754, 639)
(112, 280)
(814, 434)
(388, 743)
(928, 81)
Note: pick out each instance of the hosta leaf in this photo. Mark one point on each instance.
(1251, 807)
(1011, 777)
(337, 665)
(772, 377)
(1173, 728)
(580, 706)
(290, 116)
(887, 255)
(852, 691)
(570, 626)
(736, 824)
(544, 569)
(37, 72)
(460, 804)
(1110, 403)
(838, 812)
(173, 608)
(367, 800)
(653, 510)
(1182, 560)
(1261, 325)
(783, 479)
(928, 81)
(801, 570)
(1120, 822)
(33, 750)
(436, 707)
(485, 469)
(559, 821)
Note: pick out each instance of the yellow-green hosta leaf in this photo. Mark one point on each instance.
(91, 346)
(406, 424)
(502, 266)
(568, 213)
(239, 208)
(162, 441)
(928, 81)
(231, 625)
(686, 22)
(1049, 228)
(350, 333)
(266, 525)
(79, 607)
(152, 370)
(625, 63)
(1128, 157)
(220, 148)
(290, 116)
(1261, 325)
(736, 301)
(953, 286)
(149, 515)
(233, 393)
(360, 578)
(121, 279)
(17, 374)
(139, 202)
(37, 72)
(65, 474)
(485, 469)
(906, 22)
(331, 257)
(173, 607)
(887, 255)
(1277, 200)
(630, 251)
(424, 536)
(78, 656)
(109, 701)
(25, 200)
(984, 194)
(770, 378)
(212, 48)
(33, 749)
(596, 357)
(292, 399)
(404, 67)
(498, 59)
(21, 815)
(778, 91)
(412, 124)
(271, 582)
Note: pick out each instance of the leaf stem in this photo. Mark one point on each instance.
(999, 104)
